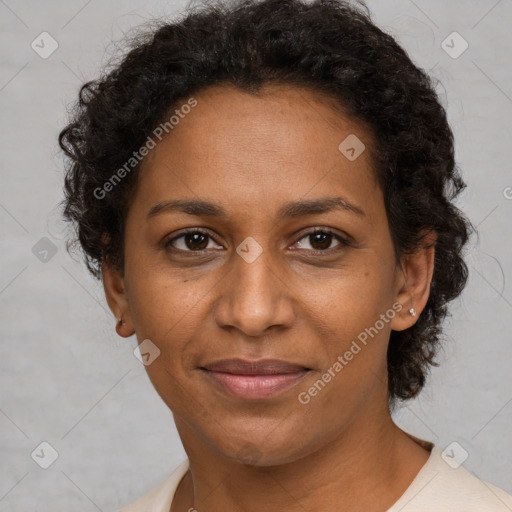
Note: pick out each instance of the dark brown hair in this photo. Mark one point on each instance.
(331, 46)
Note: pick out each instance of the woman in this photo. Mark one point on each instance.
(265, 189)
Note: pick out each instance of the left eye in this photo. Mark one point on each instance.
(320, 240)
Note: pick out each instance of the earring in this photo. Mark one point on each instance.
(120, 321)
(412, 312)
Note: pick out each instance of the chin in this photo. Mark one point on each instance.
(265, 454)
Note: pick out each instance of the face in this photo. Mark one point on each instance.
(292, 259)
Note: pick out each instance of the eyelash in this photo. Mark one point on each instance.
(343, 242)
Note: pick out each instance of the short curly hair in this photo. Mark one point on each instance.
(329, 46)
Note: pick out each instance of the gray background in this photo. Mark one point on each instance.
(68, 379)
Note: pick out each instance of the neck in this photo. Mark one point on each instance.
(366, 467)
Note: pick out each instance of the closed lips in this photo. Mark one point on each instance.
(261, 367)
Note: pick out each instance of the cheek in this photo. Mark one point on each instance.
(354, 297)
(355, 315)
(163, 305)
(358, 335)
(169, 312)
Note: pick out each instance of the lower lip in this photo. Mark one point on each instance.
(255, 386)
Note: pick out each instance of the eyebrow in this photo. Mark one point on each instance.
(292, 209)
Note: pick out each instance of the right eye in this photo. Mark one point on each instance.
(192, 240)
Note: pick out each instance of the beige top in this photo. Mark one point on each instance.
(438, 487)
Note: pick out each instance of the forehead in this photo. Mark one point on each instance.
(278, 145)
(281, 118)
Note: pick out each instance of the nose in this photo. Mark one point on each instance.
(254, 297)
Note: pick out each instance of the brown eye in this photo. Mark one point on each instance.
(321, 240)
(196, 241)
(191, 241)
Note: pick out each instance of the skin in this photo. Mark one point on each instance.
(251, 155)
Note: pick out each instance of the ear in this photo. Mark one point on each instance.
(414, 277)
(117, 300)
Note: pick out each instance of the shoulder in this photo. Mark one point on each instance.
(441, 487)
(159, 499)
